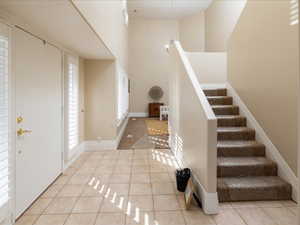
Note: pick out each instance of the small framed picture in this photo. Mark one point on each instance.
(188, 194)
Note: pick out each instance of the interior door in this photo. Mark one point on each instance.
(38, 68)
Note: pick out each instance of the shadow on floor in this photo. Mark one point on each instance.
(136, 135)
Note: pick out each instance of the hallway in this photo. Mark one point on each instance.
(145, 133)
(137, 187)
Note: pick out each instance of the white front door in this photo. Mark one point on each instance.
(38, 68)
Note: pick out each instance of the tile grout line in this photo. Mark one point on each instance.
(131, 161)
(151, 185)
(103, 198)
(52, 199)
(241, 217)
(129, 187)
(78, 197)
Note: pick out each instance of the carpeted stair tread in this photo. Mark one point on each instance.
(229, 116)
(253, 189)
(225, 109)
(244, 173)
(219, 100)
(215, 92)
(235, 133)
(240, 148)
(246, 166)
(231, 121)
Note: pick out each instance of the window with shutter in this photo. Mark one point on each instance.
(294, 12)
(4, 119)
(73, 106)
(123, 95)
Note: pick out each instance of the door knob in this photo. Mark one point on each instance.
(21, 132)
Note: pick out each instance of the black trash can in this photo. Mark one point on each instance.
(182, 178)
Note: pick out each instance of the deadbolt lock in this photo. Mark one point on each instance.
(19, 119)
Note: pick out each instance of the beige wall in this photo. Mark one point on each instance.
(220, 20)
(210, 67)
(192, 32)
(149, 63)
(106, 18)
(263, 62)
(100, 98)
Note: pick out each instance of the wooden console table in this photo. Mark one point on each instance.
(154, 109)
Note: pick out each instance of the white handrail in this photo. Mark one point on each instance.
(190, 71)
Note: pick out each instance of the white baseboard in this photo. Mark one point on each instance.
(92, 146)
(210, 202)
(284, 171)
(138, 114)
(121, 132)
(74, 154)
(213, 86)
(100, 145)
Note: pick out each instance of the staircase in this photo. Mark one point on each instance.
(244, 173)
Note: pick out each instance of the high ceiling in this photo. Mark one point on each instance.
(165, 9)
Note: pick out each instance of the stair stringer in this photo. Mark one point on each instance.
(284, 171)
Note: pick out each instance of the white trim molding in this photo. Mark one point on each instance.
(121, 132)
(284, 171)
(95, 145)
(138, 114)
(212, 86)
(99, 145)
(73, 155)
(209, 201)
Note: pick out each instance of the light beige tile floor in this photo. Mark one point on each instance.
(138, 187)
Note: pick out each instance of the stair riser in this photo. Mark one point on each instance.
(232, 122)
(247, 171)
(231, 136)
(241, 151)
(220, 101)
(215, 92)
(226, 111)
(258, 194)
(242, 179)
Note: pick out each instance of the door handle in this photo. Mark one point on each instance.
(21, 132)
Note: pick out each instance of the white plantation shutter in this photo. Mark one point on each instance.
(294, 12)
(123, 95)
(125, 12)
(73, 104)
(4, 120)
